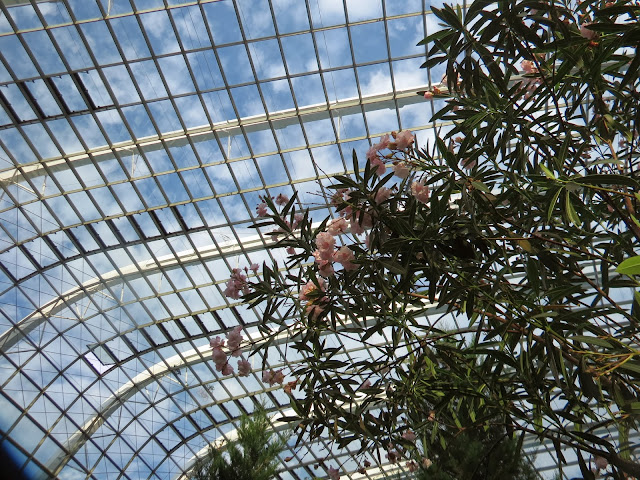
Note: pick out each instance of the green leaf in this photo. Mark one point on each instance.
(631, 266)
(480, 186)
(571, 212)
(547, 172)
(600, 342)
(609, 179)
(552, 204)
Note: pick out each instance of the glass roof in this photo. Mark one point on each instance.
(136, 137)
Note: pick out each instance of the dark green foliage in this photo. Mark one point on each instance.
(533, 206)
(478, 454)
(253, 456)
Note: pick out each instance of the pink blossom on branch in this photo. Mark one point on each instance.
(237, 284)
(409, 436)
(297, 218)
(226, 369)
(355, 226)
(272, 377)
(529, 67)
(344, 255)
(244, 367)
(219, 357)
(261, 209)
(314, 311)
(586, 32)
(337, 226)
(325, 243)
(401, 169)
(234, 339)
(379, 167)
(404, 139)
(282, 199)
(412, 466)
(334, 473)
(382, 195)
(420, 191)
(311, 291)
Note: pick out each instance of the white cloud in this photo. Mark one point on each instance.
(375, 82)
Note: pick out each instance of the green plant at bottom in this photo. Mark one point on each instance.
(476, 454)
(253, 456)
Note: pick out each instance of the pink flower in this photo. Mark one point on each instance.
(314, 311)
(345, 256)
(297, 218)
(334, 473)
(325, 268)
(409, 436)
(291, 250)
(428, 95)
(278, 377)
(226, 369)
(384, 142)
(282, 199)
(412, 466)
(401, 169)
(254, 267)
(366, 384)
(379, 166)
(393, 456)
(338, 197)
(600, 462)
(325, 243)
(219, 357)
(236, 284)
(468, 163)
(272, 377)
(337, 226)
(355, 226)
(244, 368)
(404, 139)
(529, 67)
(587, 32)
(382, 195)
(216, 342)
(261, 209)
(372, 153)
(420, 191)
(234, 339)
(311, 291)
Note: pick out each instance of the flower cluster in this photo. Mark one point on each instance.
(326, 254)
(401, 141)
(261, 209)
(220, 357)
(272, 377)
(428, 95)
(237, 284)
(316, 300)
(420, 191)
